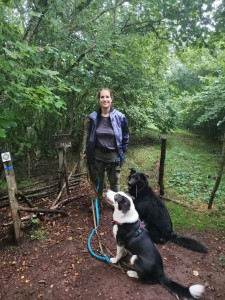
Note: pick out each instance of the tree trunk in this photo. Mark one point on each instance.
(35, 21)
(218, 179)
(161, 167)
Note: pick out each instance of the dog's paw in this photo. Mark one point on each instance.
(132, 259)
(113, 260)
(132, 274)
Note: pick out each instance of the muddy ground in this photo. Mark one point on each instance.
(54, 262)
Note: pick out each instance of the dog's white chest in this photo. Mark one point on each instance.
(115, 230)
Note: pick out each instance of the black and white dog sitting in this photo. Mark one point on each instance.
(153, 212)
(146, 259)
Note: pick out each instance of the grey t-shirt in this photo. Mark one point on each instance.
(105, 136)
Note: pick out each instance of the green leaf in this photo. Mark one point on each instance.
(93, 62)
(11, 54)
(35, 14)
(2, 133)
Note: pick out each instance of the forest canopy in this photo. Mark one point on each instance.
(164, 61)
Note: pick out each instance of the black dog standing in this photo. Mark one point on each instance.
(153, 212)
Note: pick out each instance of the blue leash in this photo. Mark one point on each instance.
(104, 257)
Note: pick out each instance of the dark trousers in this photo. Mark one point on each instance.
(98, 169)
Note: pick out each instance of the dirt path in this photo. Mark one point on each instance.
(61, 267)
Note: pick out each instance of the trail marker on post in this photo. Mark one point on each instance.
(12, 190)
(60, 141)
(6, 157)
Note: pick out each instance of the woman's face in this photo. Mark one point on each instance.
(105, 99)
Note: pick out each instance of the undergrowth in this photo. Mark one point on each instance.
(185, 218)
(191, 167)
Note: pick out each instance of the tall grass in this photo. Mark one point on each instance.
(191, 167)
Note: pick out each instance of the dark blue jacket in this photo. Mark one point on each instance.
(120, 127)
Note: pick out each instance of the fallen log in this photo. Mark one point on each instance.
(41, 182)
(175, 201)
(43, 210)
(4, 204)
(40, 189)
(4, 197)
(22, 219)
(42, 195)
(79, 174)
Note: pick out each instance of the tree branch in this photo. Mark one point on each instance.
(79, 59)
(108, 9)
(19, 193)
(175, 201)
(82, 6)
(62, 189)
(140, 26)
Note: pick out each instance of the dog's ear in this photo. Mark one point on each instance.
(123, 203)
(144, 176)
(132, 171)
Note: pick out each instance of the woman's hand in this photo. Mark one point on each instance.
(83, 155)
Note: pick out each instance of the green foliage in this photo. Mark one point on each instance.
(202, 106)
(3, 185)
(206, 109)
(24, 183)
(55, 55)
(38, 234)
(164, 115)
(194, 186)
(34, 221)
(222, 261)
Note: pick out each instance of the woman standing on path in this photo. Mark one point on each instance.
(107, 142)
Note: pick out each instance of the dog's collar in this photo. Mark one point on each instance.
(140, 228)
(117, 223)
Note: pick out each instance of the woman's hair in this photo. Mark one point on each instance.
(110, 92)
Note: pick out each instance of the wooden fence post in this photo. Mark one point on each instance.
(66, 171)
(61, 168)
(12, 190)
(161, 167)
(61, 142)
(82, 146)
